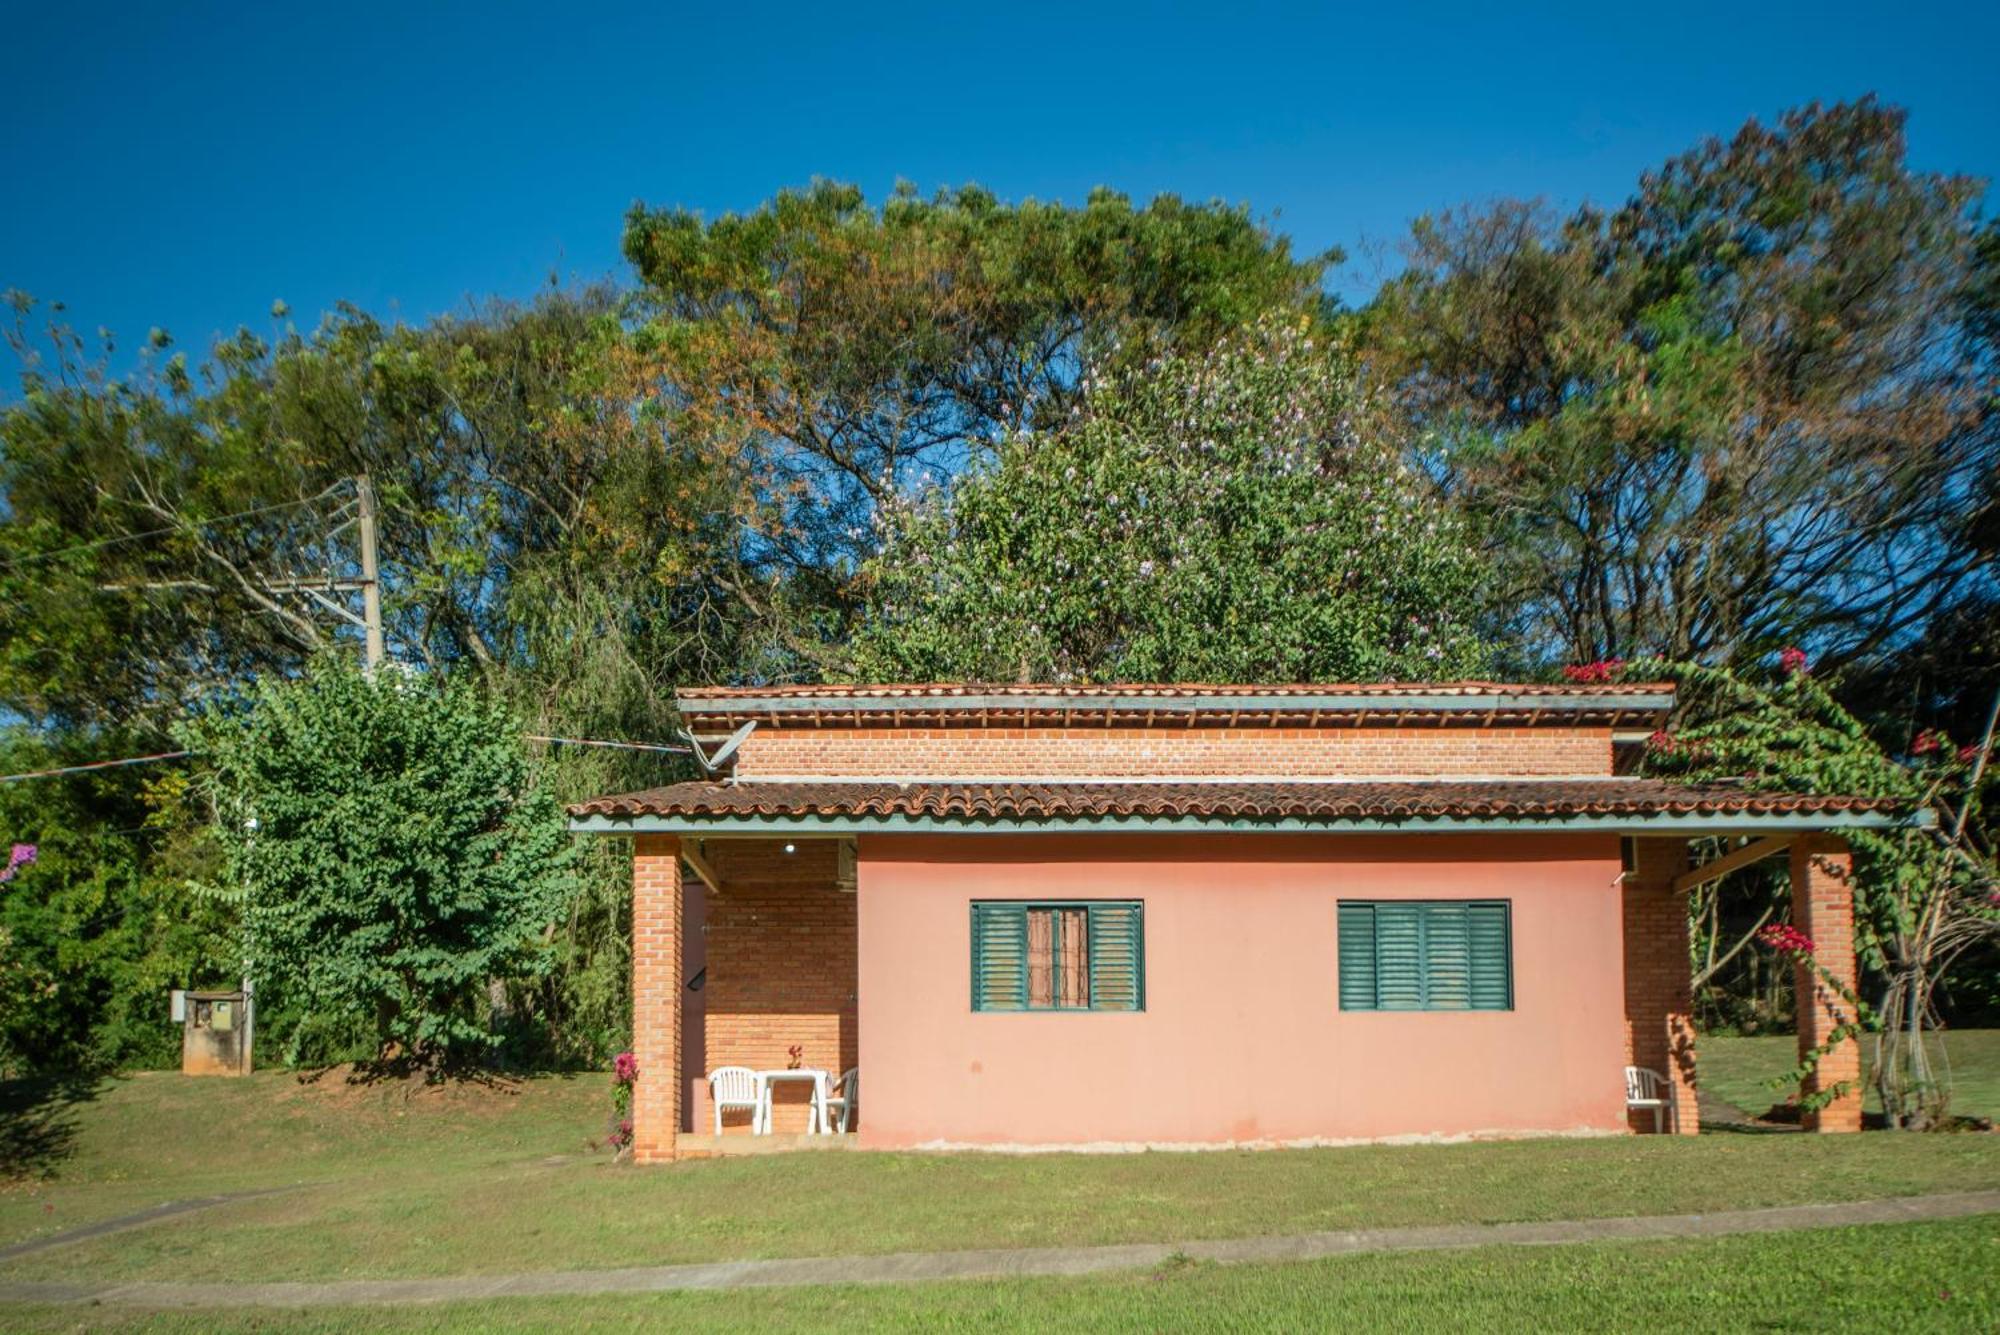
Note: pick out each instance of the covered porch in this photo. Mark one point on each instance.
(1660, 1033)
(744, 955)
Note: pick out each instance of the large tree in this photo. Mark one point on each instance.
(536, 517)
(1218, 516)
(852, 351)
(1752, 405)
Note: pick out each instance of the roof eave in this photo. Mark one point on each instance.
(1688, 824)
(1449, 702)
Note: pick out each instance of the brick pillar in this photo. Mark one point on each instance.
(1659, 987)
(656, 996)
(1823, 908)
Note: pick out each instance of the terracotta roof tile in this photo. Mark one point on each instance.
(1184, 704)
(938, 690)
(1388, 802)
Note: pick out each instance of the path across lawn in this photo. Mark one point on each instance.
(913, 1267)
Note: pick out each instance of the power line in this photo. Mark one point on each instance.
(182, 755)
(616, 746)
(95, 764)
(14, 562)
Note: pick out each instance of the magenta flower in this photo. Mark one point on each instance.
(1785, 939)
(1792, 660)
(21, 856)
(1604, 669)
(625, 1068)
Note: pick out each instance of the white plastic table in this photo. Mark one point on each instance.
(815, 1119)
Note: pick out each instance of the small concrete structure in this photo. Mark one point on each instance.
(215, 1033)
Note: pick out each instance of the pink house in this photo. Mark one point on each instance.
(1125, 916)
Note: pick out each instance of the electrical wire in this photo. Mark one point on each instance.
(170, 528)
(181, 755)
(95, 764)
(616, 746)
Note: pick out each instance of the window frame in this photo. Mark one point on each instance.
(1506, 907)
(1056, 908)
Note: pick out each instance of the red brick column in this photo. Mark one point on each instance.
(1823, 908)
(656, 996)
(1659, 988)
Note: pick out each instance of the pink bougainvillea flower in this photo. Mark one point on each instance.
(1924, 743)
(625, 1068)
(1792, 660)
(1785, 939)
(1968, 753)
(1661, 742)
(1604, 669)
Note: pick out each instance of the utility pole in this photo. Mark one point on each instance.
(371, 582)
(365, 518)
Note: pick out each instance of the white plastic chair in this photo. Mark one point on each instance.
(737, 1087)
(1647, 1088)
(841, 1103)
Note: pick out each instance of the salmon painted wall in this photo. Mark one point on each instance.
(1242, 1039)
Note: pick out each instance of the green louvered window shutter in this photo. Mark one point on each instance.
(1026, 955)
(1399, 957)
(1492, 956)
(1415, 955)
(1357, 957)
(999, 957)
(1447, 958)
(1117, 957)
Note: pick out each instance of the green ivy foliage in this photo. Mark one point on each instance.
(1924, 897)
(1215, 517)
(394, 856)
(1790, 734)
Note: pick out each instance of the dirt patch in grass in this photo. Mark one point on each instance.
(351, 1088)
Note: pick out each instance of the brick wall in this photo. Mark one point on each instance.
(656, 996)
(1659, 1001)
(1823, 908)
(781, 971)
(1174, 751)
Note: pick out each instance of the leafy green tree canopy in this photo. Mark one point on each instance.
(536, 520)
(393, 855)
(1205, 517)
(1755, 403)
(851, 351)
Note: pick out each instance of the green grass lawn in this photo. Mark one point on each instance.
(1942, 1276)
(1739, 1069)
(491, 1180)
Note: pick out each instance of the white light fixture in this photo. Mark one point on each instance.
(791, 848)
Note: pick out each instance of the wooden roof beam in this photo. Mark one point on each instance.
(1754, 851)
(694, 852)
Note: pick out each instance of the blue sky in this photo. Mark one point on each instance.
(184, 166)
